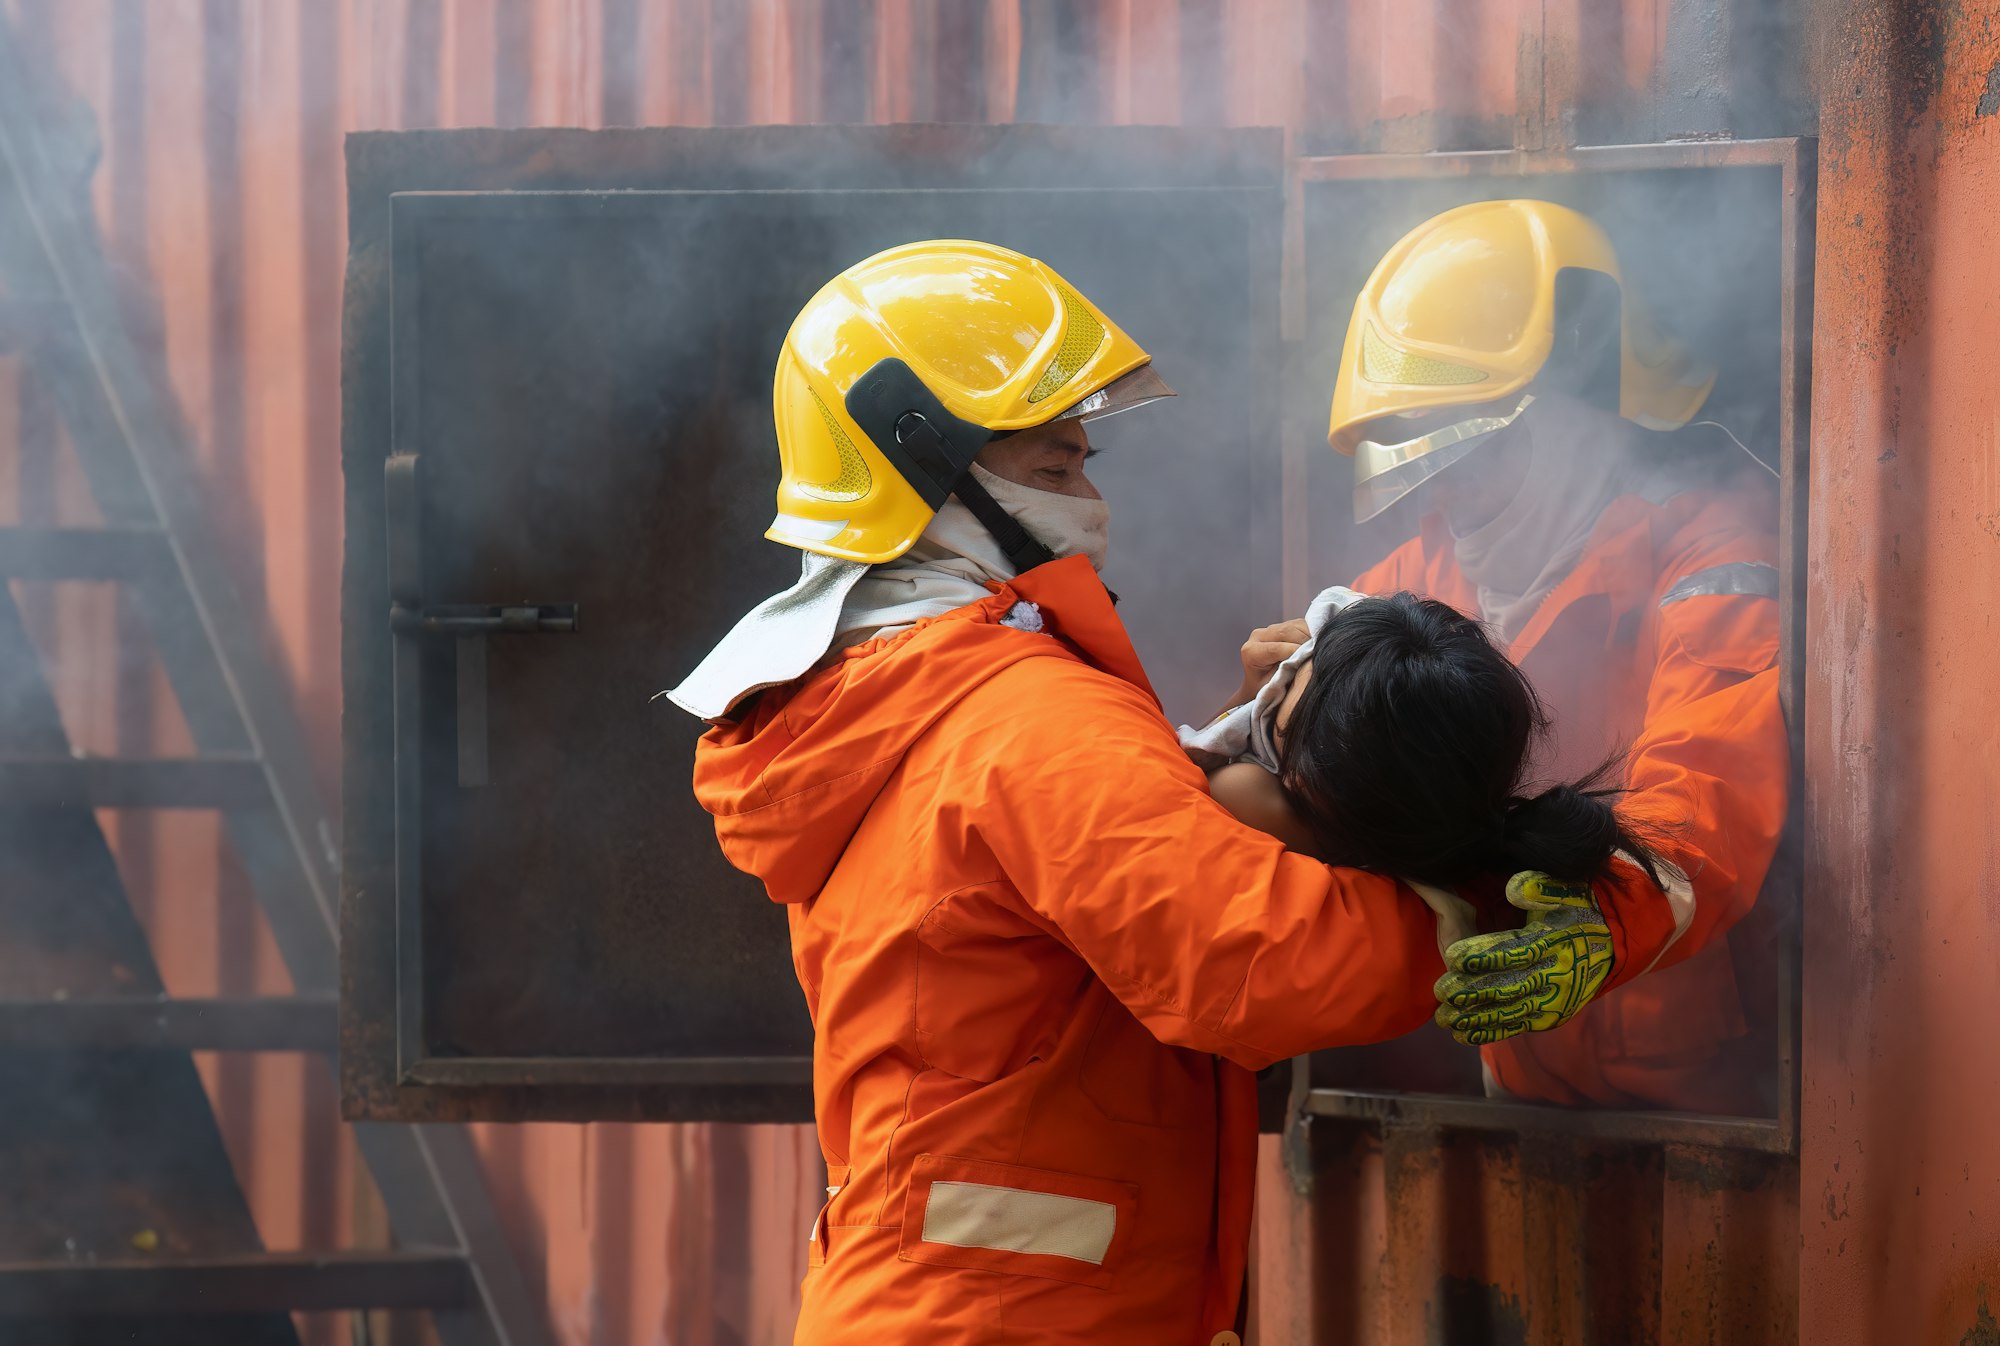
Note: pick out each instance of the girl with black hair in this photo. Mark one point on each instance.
(1403, 744)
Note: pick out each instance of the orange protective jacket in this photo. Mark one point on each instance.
(1664, 638)
(1042, 964)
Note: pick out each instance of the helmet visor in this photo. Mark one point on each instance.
(1386, 472)
(1134, 389)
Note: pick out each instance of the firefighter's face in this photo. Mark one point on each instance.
(1472, 492)
(1046, 458)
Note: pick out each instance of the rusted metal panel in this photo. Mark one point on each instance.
(1728, 1251)
(1541, 74)
(1516, 1242)
(1426, 1235)
(1900, 1176)
(1456, 1227)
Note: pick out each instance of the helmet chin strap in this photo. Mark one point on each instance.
(933, 451)
(1024, 551)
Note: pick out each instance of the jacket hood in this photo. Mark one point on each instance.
(790, 782)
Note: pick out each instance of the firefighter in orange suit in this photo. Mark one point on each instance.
(1041, 961)
(1628, 559)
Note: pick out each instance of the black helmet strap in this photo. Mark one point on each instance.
(1024, 550)
(933, 451)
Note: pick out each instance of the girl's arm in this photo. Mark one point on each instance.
(1254, 798)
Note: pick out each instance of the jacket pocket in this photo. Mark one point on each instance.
(837, 1176)
(1024, 1221)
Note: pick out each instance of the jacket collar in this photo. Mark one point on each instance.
(1617, 563)
(1077, 610)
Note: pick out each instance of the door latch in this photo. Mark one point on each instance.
(469, 624)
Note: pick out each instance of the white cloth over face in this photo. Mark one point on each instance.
(1068, 525)
(838, 604)
(1250, 731)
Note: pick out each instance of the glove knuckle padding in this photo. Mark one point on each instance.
(1461, 954)
(1504, 960)
(1531, 979)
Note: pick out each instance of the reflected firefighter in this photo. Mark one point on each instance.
(1042, 962)
(1627, 556)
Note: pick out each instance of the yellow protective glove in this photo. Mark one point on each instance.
(1532, 979)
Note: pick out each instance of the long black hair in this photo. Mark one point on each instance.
(1408, 750)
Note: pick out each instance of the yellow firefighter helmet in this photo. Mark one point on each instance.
(898, 371)
(1473, 312)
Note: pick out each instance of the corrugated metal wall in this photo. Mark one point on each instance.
(220, 191)
(1900, 1169)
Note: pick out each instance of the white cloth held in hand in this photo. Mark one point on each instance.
(1250, 730)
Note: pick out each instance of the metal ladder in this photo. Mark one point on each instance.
(119, 1212)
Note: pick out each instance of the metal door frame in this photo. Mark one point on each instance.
(1796, 161)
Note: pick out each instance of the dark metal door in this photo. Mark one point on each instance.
(560, 463)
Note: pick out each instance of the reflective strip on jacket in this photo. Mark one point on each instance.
(1664, 638)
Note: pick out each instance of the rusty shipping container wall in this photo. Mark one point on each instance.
(1900, 1175)
(220, 190)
